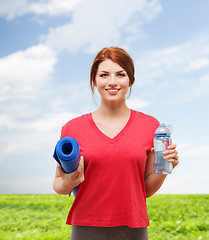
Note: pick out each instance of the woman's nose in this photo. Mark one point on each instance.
(112, 81)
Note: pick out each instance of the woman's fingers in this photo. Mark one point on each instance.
(78, 174)
(171, 155)
(172, 146)
(174, 161)
(82, 168)
(60, 170)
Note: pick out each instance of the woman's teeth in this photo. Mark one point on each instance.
(112, 90)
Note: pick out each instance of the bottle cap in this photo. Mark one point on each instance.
(163, 129)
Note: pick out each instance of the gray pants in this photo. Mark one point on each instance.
(108, 233)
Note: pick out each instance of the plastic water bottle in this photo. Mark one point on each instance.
(161, 141)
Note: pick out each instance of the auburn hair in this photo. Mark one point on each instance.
(117, 55)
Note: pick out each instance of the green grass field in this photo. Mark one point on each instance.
(43, 217)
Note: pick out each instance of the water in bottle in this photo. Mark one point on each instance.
(161, 141)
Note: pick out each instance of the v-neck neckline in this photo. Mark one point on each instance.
(117, 136)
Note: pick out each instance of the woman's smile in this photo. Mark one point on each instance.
(112, 91)
(112, 80)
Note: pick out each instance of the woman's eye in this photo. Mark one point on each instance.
(121, 75)
(103, 75)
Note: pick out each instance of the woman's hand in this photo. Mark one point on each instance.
(65, 182)
(171, 155)
(154, 181)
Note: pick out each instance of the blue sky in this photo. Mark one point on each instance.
(46, 51)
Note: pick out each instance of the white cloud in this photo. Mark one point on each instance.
(202, 86)
(31, 115)
(190, 176)
(48, 123)
(41, 124)
(189, 150)
(53, 7)
(184, 184)
(32, 135)
(35, 185)
(184, 58)
(14, 8)
(24, 82)
(135, 103)
(183, 68)
(11, 9)
(24, 73)
(96, 24)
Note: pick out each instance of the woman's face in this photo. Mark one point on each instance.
(112, 81)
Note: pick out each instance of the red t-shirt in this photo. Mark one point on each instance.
(113, 192)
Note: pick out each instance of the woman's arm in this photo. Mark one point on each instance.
(64, 183)
(154, 181)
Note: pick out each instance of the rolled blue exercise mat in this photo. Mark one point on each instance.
(67, 154)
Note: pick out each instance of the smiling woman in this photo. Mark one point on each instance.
(113, 81)
(115, 171)
(117, 56)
